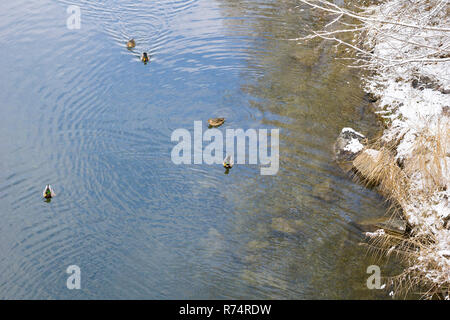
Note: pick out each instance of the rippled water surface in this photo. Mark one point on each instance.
(80, 111)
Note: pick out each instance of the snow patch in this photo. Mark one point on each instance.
(354, 146)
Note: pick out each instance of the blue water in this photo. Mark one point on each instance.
(81, 112)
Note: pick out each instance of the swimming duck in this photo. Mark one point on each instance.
(228, 162)
(131, 44)
(48, 192)
(144, 57)
(216, 122)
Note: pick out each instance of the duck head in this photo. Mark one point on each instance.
(144, 57)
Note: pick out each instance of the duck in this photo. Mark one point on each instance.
(131, 44)
(144, 57)
(228, 162)
(216, 122)
(48, 192)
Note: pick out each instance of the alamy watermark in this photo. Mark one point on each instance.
(74, 20)
(374, 281)
(74, 280)
(190, 149)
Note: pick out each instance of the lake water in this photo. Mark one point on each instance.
(81, 112)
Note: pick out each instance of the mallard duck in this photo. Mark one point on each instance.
(228, 162)
(131, 44)
(144, 57)
(216, 122)
(48, 192)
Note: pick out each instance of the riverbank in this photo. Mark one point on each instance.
(410, 88)
(405, 48)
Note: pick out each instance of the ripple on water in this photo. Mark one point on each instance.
(82, 113)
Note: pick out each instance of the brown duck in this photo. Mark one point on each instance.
(216, 122)
(131, 44)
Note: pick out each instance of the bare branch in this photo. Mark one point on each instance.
(366, 19)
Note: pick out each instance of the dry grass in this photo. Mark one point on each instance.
(411, 250)
(379, 166)
(429, 160)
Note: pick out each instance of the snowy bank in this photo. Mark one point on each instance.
(411, 84)
(404, 45)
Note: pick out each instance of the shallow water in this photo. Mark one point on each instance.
(80, 111)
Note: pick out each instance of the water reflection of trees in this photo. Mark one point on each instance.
(294, 229)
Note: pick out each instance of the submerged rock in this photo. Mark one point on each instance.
(391, 225)
(255, 245)
(324, 191)
(282, 225)
(348, 145)
(286, 225)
